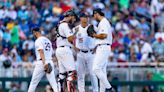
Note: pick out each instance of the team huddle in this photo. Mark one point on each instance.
(91, 44)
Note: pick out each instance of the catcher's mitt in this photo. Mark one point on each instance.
(91, 31)
(48, 68)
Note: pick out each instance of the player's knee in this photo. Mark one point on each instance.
(72, 75)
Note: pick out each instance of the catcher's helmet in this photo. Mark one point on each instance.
(69, 13)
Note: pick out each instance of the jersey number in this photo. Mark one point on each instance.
(47, 46)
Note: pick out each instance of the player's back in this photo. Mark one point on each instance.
(45, 44)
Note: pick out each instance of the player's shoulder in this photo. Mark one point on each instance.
(63, 24)
(40, 39)
(76, 27)
(105, 20)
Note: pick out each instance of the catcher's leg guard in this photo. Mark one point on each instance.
(72, 76)
(61, 82)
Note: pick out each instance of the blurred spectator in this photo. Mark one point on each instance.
(133, 21)
(7, 36)
(121, 54)
(158, 48)
(26, 64)
(121, 26)
(1, 35)
(15, 35)
(134, 50)
(4, 57)
(14, 51)
(23, 13)
(48, 23)
(2, 12)
(28, 44)
(156, 7)
(98, 4)
(147, 52)
(108, 12)
(160, 21)
(25, 27)
(159, 34)
(145, 29)
(124, 4)
(15, 64)
(10, 25)
(12, 13)
(142, 8)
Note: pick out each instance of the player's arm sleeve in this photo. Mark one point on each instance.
(104, 29)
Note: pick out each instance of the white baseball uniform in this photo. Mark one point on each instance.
(102, 54)
(85, 58)
(64, 55)
(45, 44)
(64, 52)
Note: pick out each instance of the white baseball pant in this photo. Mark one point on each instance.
(39, 73)
(65, 59)
(99, 66)
(84, 65)
(66, 64)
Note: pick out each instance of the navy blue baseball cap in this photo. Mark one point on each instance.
(83, 15)
(35, 28)
(99, 11)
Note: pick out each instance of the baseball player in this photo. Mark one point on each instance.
(44, 64)
(64, 52)
(84, 47)
(103, 48)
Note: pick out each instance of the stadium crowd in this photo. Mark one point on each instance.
(138, 27)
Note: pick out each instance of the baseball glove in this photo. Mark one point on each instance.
(48, 68)
(91, 31)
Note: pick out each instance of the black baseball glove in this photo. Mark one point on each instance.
(91, 31)
(48, 68)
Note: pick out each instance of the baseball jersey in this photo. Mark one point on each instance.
(83, 41)
(65, 31)
(45, 44)
(104, 27)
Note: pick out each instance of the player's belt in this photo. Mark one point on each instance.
(86, 51)
(66, 46)
(103, 44)
(46, 59)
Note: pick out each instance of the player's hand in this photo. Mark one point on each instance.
(48, 68)
(94, 50)
(94, 35)
(76, 49)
